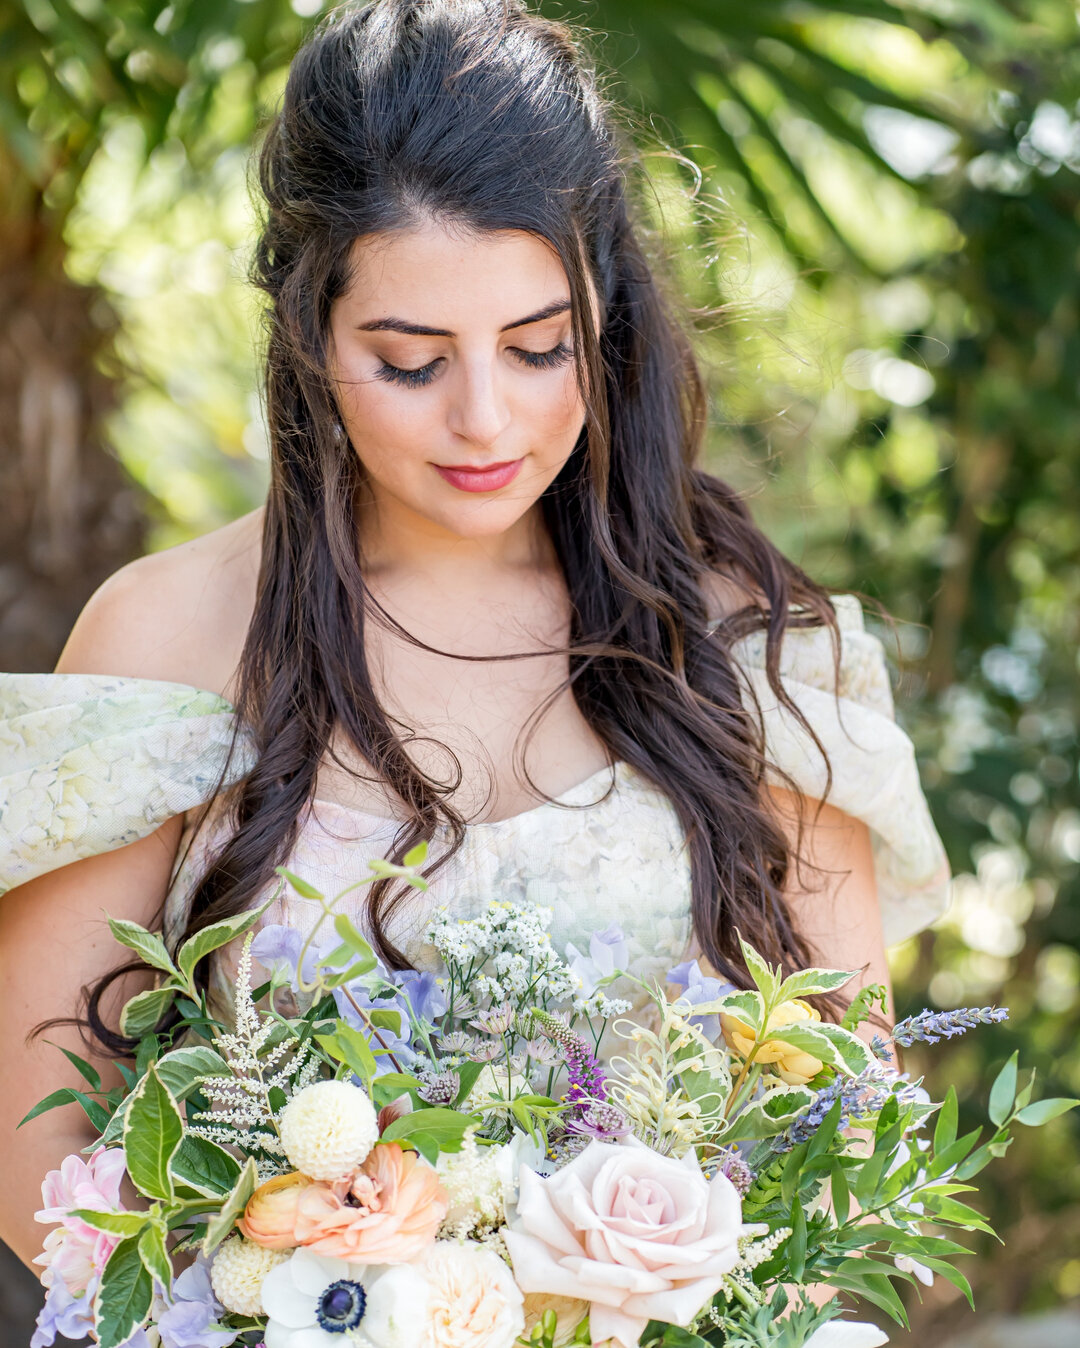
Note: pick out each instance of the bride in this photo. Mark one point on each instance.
(492, 600)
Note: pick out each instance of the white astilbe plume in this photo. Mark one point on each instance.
(241, 1114)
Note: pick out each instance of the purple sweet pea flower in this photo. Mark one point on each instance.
(696, 988)
(191, 1320)
(278, 949)
(607, 953)
(69, 1316)
(422, 992)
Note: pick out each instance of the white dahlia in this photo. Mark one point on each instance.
(237, 1272)
(327, 1129)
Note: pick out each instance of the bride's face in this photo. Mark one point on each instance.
(452, 353)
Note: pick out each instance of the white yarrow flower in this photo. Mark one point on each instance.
(327, 1129)
(316, 1302)
(237, 1272)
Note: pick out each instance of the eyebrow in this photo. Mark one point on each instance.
(420, 330)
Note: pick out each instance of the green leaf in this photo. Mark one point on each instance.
(862, 1005)
(746, 1005)
(1042, 1111)
(89, 1074)
(836, 1047)
(215, 936)
(467, 1075)
(356, 942)
(949, 1273)
(1003, 1092)
(205, 1166)
(180, 1072)
(796, 1246)
(958, 1214)
(841, 1194)
(770, 1113)
(415, 856)
(945, 1128)
(68, 1095)
(859, 1276)
(219, 1226)
(124, 1296)
(144, 1010)
(115, 1223)
(153, 1130)
(302, 887)
(155, 1256)
(811, 982)
(766, 978)
(386, 1019)
(350, 1047)
(446, 1127)
(145, 943)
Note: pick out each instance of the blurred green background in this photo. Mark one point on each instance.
(886, 239)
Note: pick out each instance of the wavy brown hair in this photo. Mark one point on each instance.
(484, 115)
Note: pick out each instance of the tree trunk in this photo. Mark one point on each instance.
(71, 513)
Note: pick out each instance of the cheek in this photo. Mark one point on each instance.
(556, 414)
(389, 427)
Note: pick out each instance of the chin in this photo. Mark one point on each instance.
(481, 519)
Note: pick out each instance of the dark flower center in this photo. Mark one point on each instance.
(341, 1307)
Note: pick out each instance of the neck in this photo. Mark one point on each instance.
(396, 541)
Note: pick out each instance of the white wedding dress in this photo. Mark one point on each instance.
(90, 762)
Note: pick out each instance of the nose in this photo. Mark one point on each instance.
(479, 411)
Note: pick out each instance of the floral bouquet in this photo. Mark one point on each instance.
(399, 1160)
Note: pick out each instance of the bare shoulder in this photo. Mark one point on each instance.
(180, 615)
(725, 595)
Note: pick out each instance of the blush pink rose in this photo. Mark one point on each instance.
(637, 1235)
(76, 1251)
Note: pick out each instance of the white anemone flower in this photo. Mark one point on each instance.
(316, 1302)
(834, 1334)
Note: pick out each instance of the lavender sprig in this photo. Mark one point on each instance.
(928, 1027)
(860, 1097)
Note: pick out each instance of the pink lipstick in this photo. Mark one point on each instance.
(491, 477)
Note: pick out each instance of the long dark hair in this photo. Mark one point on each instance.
(480, 113)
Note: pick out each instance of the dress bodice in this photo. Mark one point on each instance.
(89, 763)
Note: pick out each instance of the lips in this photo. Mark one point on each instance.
(489, 477)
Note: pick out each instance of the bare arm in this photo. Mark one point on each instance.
(148, 621)
(834, 903)
(53, 940)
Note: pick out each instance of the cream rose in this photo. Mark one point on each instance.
(473, 1302)
(637, 1235)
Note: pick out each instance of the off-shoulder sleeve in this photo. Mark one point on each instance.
(91, 762)
(874, 773)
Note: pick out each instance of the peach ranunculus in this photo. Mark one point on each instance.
(792, 1065)
(270, 1216)
(387, 1213)
(637, 1235)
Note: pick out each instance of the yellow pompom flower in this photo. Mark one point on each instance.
(792, 1065)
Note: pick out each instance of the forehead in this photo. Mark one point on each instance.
(450, 277)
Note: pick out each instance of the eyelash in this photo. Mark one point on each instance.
(534, 360)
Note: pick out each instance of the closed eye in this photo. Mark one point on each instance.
(424, 374)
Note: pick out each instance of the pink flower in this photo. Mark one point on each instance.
(75, 1251)
(638, 1235)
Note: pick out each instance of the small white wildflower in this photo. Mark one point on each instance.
(237, 1272)
(328, 1129)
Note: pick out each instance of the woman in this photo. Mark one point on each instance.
(491, 601)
